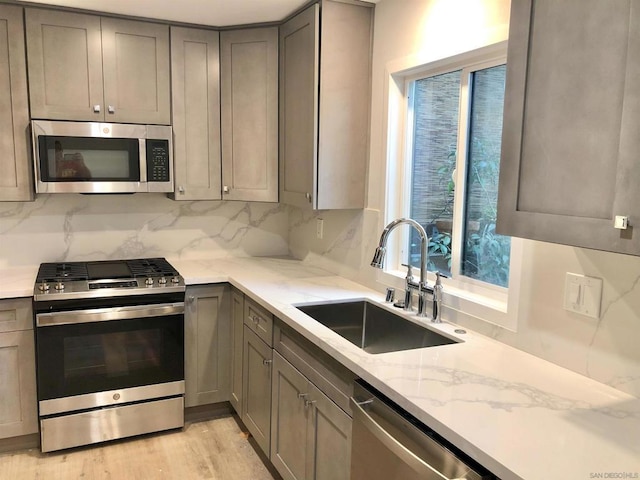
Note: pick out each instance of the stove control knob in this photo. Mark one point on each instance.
(59, 286)
(44, 287)
(175, 280)
(149, 281)
(162, 280)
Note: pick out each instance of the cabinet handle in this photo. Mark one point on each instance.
(267, 362)
(111, 109)
(303, 395)
(191, 299)
(254, 319)
(308, 196)
(225, 189)
(308, 403)
(96, 109)
(181, 190)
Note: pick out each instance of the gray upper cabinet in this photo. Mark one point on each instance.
(325, 56)
(195, 85)
(85, 67)
(16, 181)
(249, 86)
(571, 121)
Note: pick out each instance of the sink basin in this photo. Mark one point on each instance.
(371, 328)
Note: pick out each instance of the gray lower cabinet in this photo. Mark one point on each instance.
(325, 76)
(16, 181)
(195, 82)
(237, 343)
(87, 67)
(249, 102)
(207, 344)
(18, 408)
(310, 435)
(256, 411)
(571, 120)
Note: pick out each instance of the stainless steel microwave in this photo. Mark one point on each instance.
(88, 157)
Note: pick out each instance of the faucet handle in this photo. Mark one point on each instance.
(409, 269)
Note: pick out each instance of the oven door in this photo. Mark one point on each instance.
(96, 357)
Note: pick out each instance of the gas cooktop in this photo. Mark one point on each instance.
(69, 280)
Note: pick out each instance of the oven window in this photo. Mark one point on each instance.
(100, 356)
(112, 354)
(63, 159)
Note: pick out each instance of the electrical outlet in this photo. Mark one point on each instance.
(319, 228)
(583, 294)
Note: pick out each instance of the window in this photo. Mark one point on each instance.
(453, 134)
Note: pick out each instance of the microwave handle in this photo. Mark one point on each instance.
(142, 154)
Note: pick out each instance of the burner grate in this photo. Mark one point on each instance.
(151, 267)
(57, 272)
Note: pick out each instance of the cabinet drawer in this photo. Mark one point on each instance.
(258, 320)
(16, 314)
(330, 376)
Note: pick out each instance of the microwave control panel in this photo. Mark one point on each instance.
(157, 160)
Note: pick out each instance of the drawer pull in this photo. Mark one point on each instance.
(267, 362)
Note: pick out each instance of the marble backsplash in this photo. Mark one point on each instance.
(94, 227)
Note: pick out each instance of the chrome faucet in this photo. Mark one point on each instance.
(422, 288)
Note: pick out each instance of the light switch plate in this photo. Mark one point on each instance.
(583, 294)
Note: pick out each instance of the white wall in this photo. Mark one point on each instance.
(606, 349)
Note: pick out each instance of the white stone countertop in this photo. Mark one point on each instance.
(518, 415)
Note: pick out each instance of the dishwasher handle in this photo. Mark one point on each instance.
(392, 444)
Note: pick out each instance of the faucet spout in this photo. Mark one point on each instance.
(379, 256)
(381, 250)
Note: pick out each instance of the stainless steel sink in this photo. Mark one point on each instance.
(373, 329)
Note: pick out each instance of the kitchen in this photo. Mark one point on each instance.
(77, 227)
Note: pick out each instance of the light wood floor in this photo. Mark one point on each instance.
(213, 449)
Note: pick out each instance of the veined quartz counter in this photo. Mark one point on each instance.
(520, 416)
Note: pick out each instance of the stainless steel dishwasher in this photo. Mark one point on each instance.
(390, 444)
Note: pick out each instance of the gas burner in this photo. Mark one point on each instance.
(151, 267)
(58, 272)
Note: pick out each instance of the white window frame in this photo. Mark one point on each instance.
(463, 296)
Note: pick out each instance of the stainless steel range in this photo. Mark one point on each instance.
(109, 350)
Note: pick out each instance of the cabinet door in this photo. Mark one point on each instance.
(289, 420)
(257, 389)
(196, 113)
(18, 408)
(249, 83)
(345, 97)
(16, 182)
(237, 319)
(135, 57)
(207, 345)
(571, 117)
(329, 438)
(299, 50)
(65, 65)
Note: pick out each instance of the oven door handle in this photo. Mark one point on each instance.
(108, 314)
